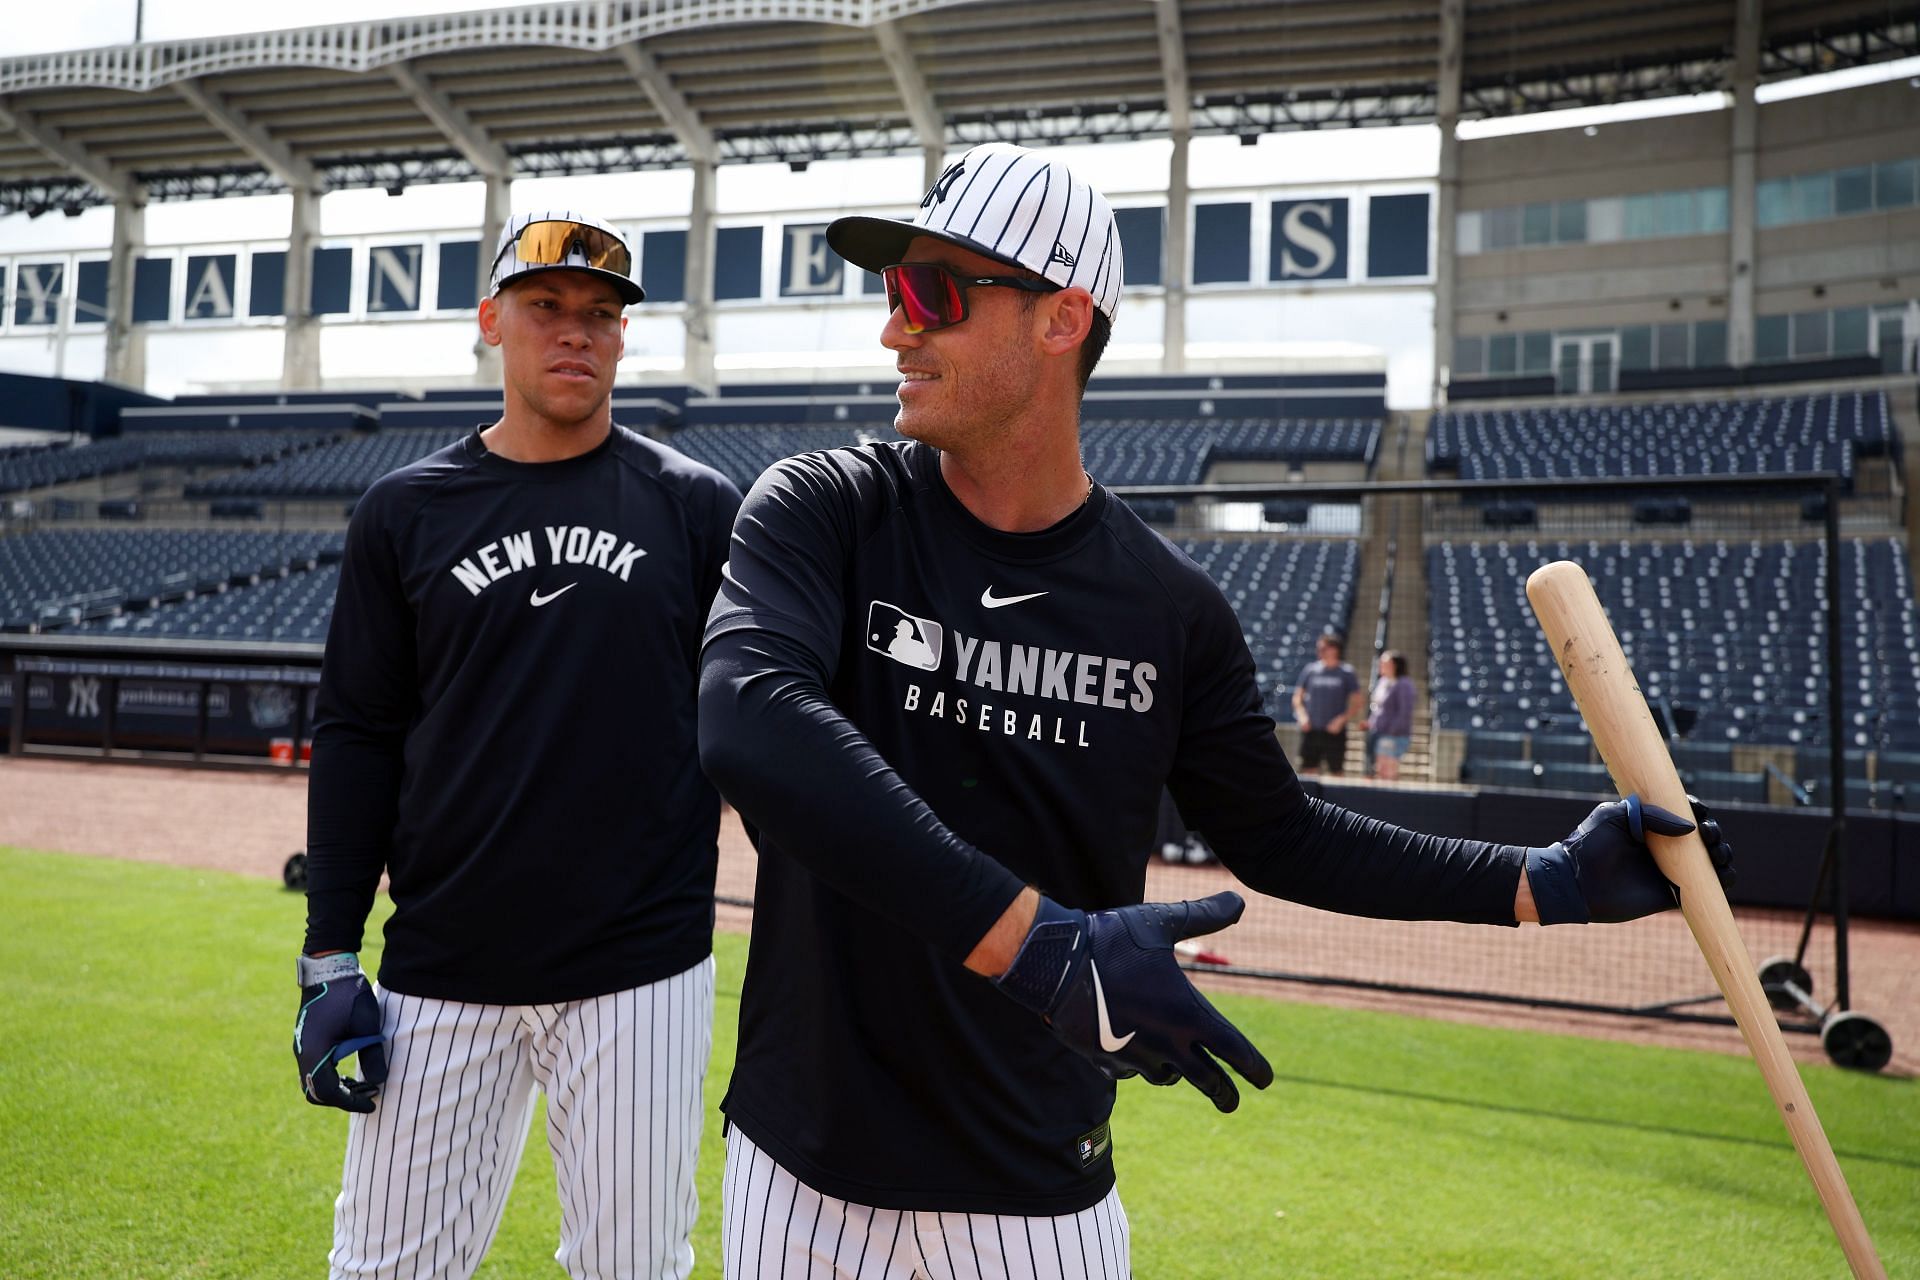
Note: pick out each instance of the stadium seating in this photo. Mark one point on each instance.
(1128, 451)
(1780, 435)
(49, 578)
(39, 467)
(741, 453)
(1722, 786)
(1731, 629)
(342, 470)
(293, 609)
(1286, 594)
(640, 410)
(336, 413)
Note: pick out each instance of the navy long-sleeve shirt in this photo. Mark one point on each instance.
(506, 723)
(915, 714)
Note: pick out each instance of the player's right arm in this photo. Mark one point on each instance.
(780, 750)
(367, 699)
(1235, 785)
(783, 754)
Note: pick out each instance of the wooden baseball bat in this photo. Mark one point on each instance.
(1609, 697)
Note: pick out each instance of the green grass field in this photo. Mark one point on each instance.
(154, 1129)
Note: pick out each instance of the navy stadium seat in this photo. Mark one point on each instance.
(1733, 629)
(1748, 436)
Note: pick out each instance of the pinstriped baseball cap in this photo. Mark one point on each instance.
(563, 240)
(1015, 206)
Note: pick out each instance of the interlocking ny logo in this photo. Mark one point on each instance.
(83, 697)
(937, 193)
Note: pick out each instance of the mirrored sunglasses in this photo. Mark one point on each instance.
(934, 297)
(552, 244)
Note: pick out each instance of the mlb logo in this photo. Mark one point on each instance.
(907, 638)
(1086, 1150)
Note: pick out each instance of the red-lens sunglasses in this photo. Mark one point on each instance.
(935, 297)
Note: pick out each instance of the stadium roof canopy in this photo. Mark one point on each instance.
(594, 86)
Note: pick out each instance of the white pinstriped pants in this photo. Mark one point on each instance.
(778, 1228)
(427, 1174)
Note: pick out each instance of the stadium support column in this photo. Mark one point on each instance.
(1740, 183)
(300, 363)
(698, 358)
(1446, 211)
(486, 359)
(1173, 324)
(1179, 94)
(126, 345)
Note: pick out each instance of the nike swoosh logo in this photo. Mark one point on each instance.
(537, 599)
(988, 600)
(1108, 1040)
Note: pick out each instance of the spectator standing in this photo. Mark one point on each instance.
(1325, 699)
(1389, 722)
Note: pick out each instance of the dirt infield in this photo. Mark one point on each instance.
(249, 822)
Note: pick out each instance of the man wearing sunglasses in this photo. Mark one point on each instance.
(944, 683)
(505, 728)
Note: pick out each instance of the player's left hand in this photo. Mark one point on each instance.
(1110, 987)
(1603, 872)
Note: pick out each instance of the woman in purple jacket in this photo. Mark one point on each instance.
(1390, 719)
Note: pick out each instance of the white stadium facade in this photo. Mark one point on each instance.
(1762, 230)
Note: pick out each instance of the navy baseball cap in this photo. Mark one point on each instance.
(1014, 205)
(562, 240)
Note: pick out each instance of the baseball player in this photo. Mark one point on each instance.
(944, 683)
(506, 729)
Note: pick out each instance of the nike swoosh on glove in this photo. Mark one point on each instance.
(1110, 987)
(1603, 873)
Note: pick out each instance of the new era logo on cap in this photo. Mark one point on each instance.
(1021, 207)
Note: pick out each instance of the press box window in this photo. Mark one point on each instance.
(1536, 353)
(332, 281)
(1570, 221)
(663, 266)
(90, 297)
(266, 296)
(1893, 183)
(152, 290)
(1142, 241)
(1397, 236)
(1636, 347)
(1469, 357)
(1809, 334)
(1709, 343)
(1850, 325)
(1770, 338)
(736, 263)
(459, 287)
(1222, 243)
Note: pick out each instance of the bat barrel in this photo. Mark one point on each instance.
(1602, 683)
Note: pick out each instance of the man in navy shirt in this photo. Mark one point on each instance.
(506, 729)
(1325, 698)
(944, 682)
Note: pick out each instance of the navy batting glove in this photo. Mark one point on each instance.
(1603, 873)
(339, 1017)
(1110, 987)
